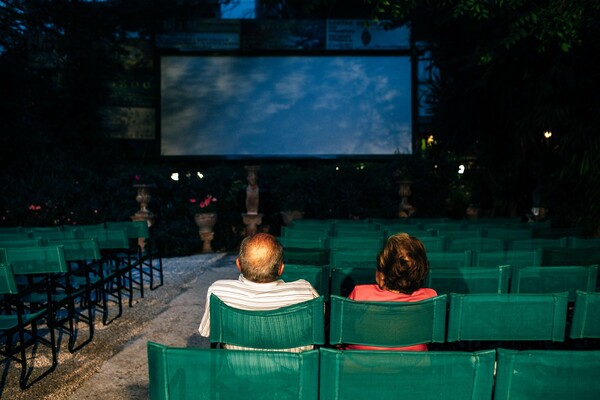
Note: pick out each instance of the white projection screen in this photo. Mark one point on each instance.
(297, 106)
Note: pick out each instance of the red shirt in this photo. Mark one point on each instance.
(375, 293)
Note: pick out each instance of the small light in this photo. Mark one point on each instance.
(430, 140)
(200, 174)
(461, 169)
(337, 168)
(175, 176)
(547, 134)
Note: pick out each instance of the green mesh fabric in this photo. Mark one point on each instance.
(343, 279)
(520, 258)
(445, 259)
(297, 325)
(79, 249)
(510, 317)
(388, 324)
(317, 275)
(476, 243)
(583, 243)
(547, 374)
(109, 239)
(586, 316)
(188, 373)
(7, 280)
(469, 279)
(37, 260)
(554, 279)
(568, 256)
(357, 374)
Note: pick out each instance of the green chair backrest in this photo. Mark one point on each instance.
(554, 279)
(37, 260)
(476, 243)
(360, 374)
(302, 243)
(296, 255)
(536, 243)
(134, 229)
(446, 226)
(458, 234)
(446, 259)
(108, 239)
(293, 326)
(21, 242)
(434, 243)
(547, 374)
(412, 230)
(387, 324)
(516, 258)
(54, 234)
(509, 233)
(343, 279)
(584, 243)
(316, 275)
(7, 280)
(339, 257)
(206, 374)
(79, 249)
(507, 317)
(586, 316)
(569, 256)
(469, 279)
(355, 243)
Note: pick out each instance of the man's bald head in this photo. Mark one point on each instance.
(261, 258)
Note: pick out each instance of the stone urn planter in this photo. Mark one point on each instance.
(206, 223)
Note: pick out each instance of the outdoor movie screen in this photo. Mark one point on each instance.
(285, 106)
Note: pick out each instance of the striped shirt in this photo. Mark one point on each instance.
(248, 295)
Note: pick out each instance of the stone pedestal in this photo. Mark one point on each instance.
(251, 221)
(206, 223)
(143, 197)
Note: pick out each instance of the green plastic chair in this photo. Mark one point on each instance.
(29, 242)
(316, 275)
(359, 374)
(536, 243)
(297, 255)
(118, 259)
(507, 317)
(586, 316)
(298, 325)
(458, 234)
(50, 264)
(547, 374)
(387, 324)
(469, 279)
(476, 243)
(16, 319)
(446, 259)
(554, 279)
(206, 374)
(145, 251)
(343, 279)
(515, 258)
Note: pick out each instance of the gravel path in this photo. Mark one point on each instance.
(114, 365)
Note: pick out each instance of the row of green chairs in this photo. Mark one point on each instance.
(465, 318)
(193, 373)
(467, 280)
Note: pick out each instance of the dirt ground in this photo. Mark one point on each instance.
(114, 365)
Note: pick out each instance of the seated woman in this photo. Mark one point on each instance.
(402, 267)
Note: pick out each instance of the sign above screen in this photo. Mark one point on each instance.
(285, 106)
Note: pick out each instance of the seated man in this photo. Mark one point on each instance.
(260, 262)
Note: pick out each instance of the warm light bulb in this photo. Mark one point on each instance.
(430, 140)
(175, 176)
(461, 169)
(200, 174)
(547, 134)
